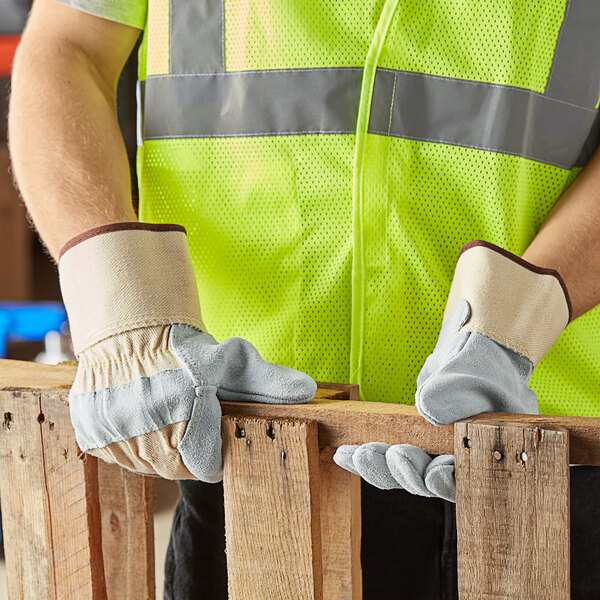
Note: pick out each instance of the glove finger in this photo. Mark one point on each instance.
(238, 371)
(370, 463)
(439, 477)
(407, 465)
(343, 458)
(200, 447)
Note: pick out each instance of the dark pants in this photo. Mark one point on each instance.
(408, 548)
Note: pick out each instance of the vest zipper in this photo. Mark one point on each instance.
(362, 125)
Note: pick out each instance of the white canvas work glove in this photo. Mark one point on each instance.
(147, 390)
(503, 314)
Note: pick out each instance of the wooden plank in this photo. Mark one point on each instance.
(272, 521)
(343, 421)
(126, 506)
(340, 530)
(72, 488)
(351, 391)
(25, 509)
(357, 422)
(512, 486)
(25, 376)
(49, 503)
(348, 422)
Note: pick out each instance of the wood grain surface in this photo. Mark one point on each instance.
(512, 499)
(51, 515)
(340, 530)
(272, 501)
(70, 522)
(343, 421)
(126, 507)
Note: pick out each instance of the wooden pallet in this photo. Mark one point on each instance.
(79, 528)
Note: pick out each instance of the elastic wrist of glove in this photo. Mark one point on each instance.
(517, 304)
(126, 276)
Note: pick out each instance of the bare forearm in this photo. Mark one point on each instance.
(67, 151)
(569, 240)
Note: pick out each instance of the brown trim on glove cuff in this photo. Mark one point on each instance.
(86, 235)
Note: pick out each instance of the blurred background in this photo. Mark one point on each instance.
(32, 320)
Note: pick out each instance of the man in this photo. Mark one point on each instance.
(328, 162)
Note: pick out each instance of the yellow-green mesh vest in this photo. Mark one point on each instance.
(329, 158)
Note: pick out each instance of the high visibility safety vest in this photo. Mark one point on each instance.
(329, 158)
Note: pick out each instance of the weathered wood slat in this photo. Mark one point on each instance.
(340, 530)
(27, 540)
(344, 421)
(67, 516)
(512, 485)
(126, 506)
(26, 376)
(272, 519)
(50, 503)
(72, 487)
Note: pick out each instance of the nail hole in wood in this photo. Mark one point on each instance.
(7, 420)
(283, 455)
(114, 522)
(41, 418)
(240, 432)
(498, 455)
(271, 431)
(467, 442)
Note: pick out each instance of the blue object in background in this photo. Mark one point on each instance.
(29, 321)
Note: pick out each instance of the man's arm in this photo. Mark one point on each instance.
(68, 155)
(569, 240)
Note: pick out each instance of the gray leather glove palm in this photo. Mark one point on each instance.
(503, 314)
(469, 373)
(147, 390)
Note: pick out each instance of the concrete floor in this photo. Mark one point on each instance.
(166, 497)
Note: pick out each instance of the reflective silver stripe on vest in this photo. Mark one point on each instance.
(479, 115)
(575, 72)
(427, 108)
(252, 103)
(196, 36)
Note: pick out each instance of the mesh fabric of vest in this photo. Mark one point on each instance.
(270, 219)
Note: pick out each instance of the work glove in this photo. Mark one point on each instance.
(149, 380)
(503, 314)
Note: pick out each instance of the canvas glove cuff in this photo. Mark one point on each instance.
(147, 390)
